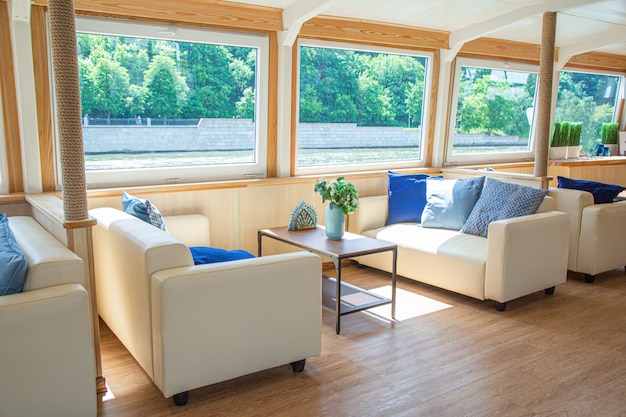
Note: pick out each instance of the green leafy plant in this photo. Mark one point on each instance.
(573, 137)
(340, 194)
(609, 133)
(558, 139)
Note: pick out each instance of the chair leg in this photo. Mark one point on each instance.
(298, 366)
(181, 399)
(590, 278)
(500, 306)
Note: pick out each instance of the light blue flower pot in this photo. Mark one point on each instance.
(335, 220)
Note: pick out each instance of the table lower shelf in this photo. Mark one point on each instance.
(353, 298)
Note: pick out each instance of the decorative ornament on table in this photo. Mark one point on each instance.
(303, 216)
(344, 200)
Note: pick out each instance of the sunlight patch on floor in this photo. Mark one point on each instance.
(109, 395)
(408, 304)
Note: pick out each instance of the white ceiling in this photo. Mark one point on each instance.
(582, 25)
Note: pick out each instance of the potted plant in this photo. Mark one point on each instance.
(344, 200)
(558, 149)
(572, 141)
(609, 137)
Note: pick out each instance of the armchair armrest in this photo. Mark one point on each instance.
(49, 329)
(601, 242)
(219, 321)
(526, 254)
(371, 214)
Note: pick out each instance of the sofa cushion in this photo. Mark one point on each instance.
(602, 193)
(143, 209)
(13, 264)
(502, 200)
(208, 255)
(406, 197)
(449, 202)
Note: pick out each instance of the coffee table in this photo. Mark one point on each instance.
(338, 296)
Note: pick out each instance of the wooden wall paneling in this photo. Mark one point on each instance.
(215, 13)
(499, 48)
(429, 140)
(353, 30)
(598, 61)
(294, 117)
(8, 94)
(43, 95)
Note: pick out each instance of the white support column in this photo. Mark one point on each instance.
(26, 98)
(284, 108)
(446, 70)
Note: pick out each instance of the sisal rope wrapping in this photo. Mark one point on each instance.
(67, 89)
(544, 95)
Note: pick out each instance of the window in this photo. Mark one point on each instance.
(170, 104)
(589, 99)
(359, 109)
(493, 111)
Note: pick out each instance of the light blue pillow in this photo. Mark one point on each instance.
(502, 200)
(208, 255)
(143, 209)
(449, 202)
(13, 265)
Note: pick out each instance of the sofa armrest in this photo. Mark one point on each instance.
(49, 330)
(50, 262)
(526, 254)
(601, 241)
(371, 214)
(219, 321)
(572, 202)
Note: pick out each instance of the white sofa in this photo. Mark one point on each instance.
(190, 325)
(520, 256)
(47, 362)
(597, 232)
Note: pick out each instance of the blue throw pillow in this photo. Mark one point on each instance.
(13, 266)
(502, 200)
(208, 255)
(406, 197)
(143, 209)
(450, 202)
(602, 193)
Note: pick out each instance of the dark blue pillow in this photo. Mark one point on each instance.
(407, 197)
(208, 255)
(13, 265)
(602, 193)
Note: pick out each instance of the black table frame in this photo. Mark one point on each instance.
(350, 246)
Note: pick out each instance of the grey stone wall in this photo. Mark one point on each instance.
(238, 134)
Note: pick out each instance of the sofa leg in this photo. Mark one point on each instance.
(181, 399)
(500, 306)
(298, 366)
(590, 278)
(550, 291)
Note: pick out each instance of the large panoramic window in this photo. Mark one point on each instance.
(359, 109)
(168, 104)
(492, 111)
(589, 99)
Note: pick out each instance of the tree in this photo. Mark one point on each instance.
(88, 90)
(166, 88)
(134, 59)
(414, 97)
(112, 83)
(374, 103)
(246, 105)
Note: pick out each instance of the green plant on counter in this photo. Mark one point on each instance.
(609, 133)
(557, 136)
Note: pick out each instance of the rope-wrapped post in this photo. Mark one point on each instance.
(544, 95)
(67, 88)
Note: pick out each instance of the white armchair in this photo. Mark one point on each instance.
(190, 325)
(596, 232)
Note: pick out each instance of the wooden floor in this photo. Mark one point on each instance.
(560, 355)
